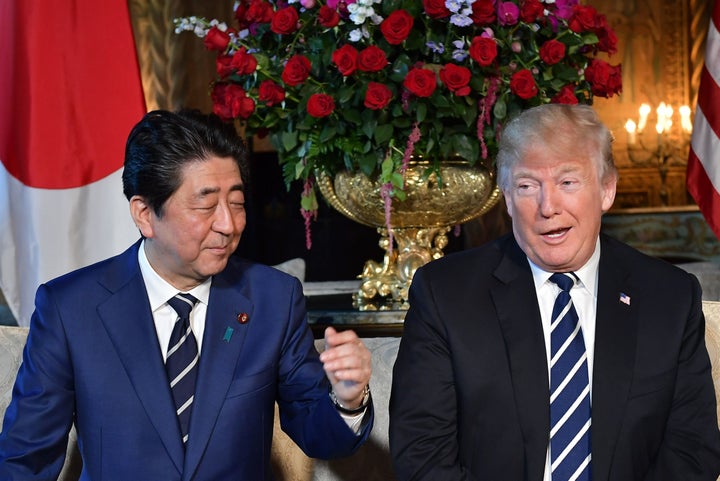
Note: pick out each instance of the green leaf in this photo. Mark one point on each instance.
(299, 167)
(383, 133)
(309, 202)
(328, 132)
(289, 140)
(367, 163)
(500, 109)
(421, 113)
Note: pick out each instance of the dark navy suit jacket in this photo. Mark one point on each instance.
(92, 358)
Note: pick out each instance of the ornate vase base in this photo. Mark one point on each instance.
(385, 286)
(419, 223)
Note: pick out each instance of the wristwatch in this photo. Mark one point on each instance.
(357, 410)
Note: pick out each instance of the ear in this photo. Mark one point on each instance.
(609, 188)
(142, 215)
(508, 203)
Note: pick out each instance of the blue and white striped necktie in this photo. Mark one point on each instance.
(570, 418)
(182, 360)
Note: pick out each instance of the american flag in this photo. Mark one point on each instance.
(703, 170)
(624, 298)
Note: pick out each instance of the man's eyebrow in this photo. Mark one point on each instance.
(214, 190)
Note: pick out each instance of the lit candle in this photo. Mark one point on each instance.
(661, 124)
(668, 117)
(631, 128)
(685, 122)
(644, 112)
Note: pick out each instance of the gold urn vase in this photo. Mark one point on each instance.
(419, 223)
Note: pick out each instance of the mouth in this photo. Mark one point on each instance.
(218, 249)
(556, 233)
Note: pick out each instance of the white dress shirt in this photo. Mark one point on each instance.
(584, 297)
(164, 316)
(159, 291)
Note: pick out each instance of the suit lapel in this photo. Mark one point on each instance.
(516, 303)
(223, 340)
(128, 321)
(615, 346)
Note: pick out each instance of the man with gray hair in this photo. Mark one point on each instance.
(554, 352)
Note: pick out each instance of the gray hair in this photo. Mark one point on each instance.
(559, 128)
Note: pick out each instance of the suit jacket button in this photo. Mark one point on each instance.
(243, 318)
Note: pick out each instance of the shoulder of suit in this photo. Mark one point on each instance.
(633, 259)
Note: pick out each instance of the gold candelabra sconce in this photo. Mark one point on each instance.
(662, 147)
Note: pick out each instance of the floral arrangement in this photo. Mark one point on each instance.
(367, 84)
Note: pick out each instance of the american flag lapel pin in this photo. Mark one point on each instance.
(624, 298)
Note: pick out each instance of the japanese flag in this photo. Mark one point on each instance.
(70, 91)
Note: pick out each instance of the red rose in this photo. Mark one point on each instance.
(420, 81)
(296, 70)
(584, 19)
(346, 59)
(522, 84)
(396, 27)
(243, 62)
(230, 101)
(607, 40)
(223, 65)
(436, 8)
(271, 93)
(216, 39)
(377, 96)
(320, 105)
(605, 79)
(259, 11)
(552, 51)
(241, 14)
(566, 95)
(372, 59)
(483, 12)
(456, 79)
(483, 50)
(285, 21)
(531, 10)
(328, 17)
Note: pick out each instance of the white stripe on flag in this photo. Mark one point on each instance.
(706, 146)
(45, 233)
(712, 51)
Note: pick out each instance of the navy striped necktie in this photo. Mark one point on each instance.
(570, 419)
(182, 360)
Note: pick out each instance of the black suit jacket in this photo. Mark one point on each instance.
(470, 384)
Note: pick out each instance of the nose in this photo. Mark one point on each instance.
(223, 221)
(549, 201)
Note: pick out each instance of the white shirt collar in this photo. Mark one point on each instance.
(588, 274)
(159, 290)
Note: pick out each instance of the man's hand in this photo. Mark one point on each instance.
(347, 364)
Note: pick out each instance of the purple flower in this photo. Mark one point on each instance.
(343, 3)
(459, 55)
(460, 20)
(508, 13)
(564, 8)
(436, 47)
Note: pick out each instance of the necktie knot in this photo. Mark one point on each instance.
(183, 304)
(564, 281)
